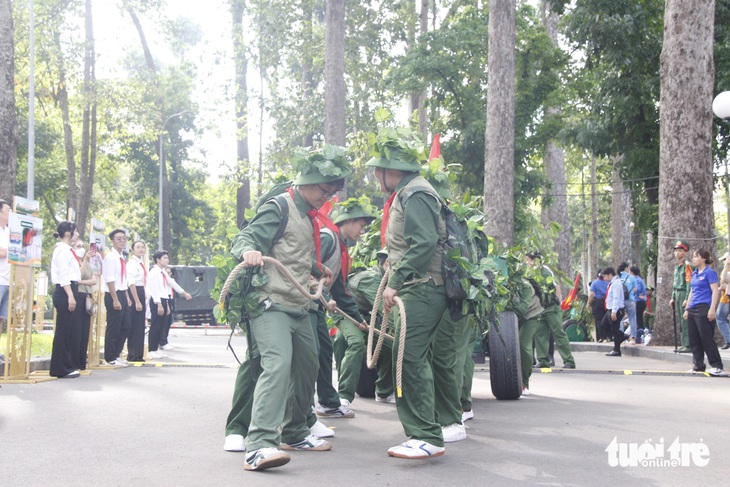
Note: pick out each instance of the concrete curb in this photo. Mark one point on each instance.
(658, 353)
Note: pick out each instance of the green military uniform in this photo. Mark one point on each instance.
(680, 291)
(447, 357)
(283, 345)
(363, 287)
(326, 393)
(465, 363)
(551, 320)
(413, 239)
(528, 310)
(274, 385)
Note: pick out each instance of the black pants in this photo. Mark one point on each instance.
(599, 310)
(613, 328)
(640, 308)
(118, 323)
(157, 327)
(701, 340)
(67, 338)
(168, 322)
(135, 345)
(85, 331)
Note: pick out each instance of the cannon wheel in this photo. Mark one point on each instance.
(505, 371)
(576, 332)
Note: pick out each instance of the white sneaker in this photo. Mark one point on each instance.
(390, 399)
(453, 432)
(345, 402)
(340, 412)
(310, 443)
(525, 391)
(167, 346)
(235, 443)
(156, 354)
(123, 361)
(467, 415)
(120, 362)
(320, 430)
(415, 449)
(265, 458)
(717, 372)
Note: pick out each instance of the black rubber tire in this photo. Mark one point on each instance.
(505, 370)
(366, 384)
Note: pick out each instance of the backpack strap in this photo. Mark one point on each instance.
(406, 193)
(284, 207)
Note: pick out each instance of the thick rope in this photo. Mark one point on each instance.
(373, 355)
(280, 267)
(353, 320)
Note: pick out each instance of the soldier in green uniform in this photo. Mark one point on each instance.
(363, 287)
(347, 227)
(551, 320)
(414, 232)
(680, 290)
(271, 409)
(528, 310)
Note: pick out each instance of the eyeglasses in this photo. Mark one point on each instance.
(327, 194)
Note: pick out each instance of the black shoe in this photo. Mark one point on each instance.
(568, 366)
(725, 347)
(613, 353)
(552, 362)
(541, 366)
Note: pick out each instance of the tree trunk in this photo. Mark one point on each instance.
(685, 150)
(88, 135)
(334, 75)
(620, 218)
(8, 122)
(61, 97)
(594, 255)
(499, 158)
(243, 193)
(307, 76)
(557, 211)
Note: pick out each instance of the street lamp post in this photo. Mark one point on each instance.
(721, 108)
(162, 165)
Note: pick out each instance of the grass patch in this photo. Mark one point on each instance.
(41, 344)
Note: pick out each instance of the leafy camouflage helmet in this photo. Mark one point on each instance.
(398, 149)
(321, 165)
(353, 209)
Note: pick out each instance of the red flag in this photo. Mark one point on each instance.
(573, 293)
(435, 147)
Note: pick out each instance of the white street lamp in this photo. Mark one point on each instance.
(162, 164)
(721, 105)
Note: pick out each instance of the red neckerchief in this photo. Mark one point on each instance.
(344, 254)
(76, 256)
(386, 215)
(313, 213)
(121, 261)
(144, 269)
(164, 278)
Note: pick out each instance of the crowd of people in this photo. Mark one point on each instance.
(126, 284)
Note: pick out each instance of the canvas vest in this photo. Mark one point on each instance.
(294, 250)
(334, 263)
(397, 245)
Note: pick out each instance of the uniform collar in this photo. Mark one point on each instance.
(406, 179)
(302, 206)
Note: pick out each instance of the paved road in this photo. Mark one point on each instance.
(163, 426)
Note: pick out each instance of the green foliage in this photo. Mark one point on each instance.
(329, 160)
(242, 300)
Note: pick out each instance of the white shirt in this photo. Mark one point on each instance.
(135, 272)
(112, 270)
(4, 264)
(159, 286)
(615, 295)
(64, 266)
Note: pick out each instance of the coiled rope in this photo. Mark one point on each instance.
(373, 355)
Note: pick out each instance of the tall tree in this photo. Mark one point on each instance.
(557, 209)
(685, 188)
(89, 124)
(8, 122)
(335, 72)
(240, 60)
(499, 163)
(620, 217)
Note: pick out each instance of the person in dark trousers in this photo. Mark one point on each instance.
(87, 286)
(66, 274)
(615, 310)
(640, 296)
(700, 314)
(160, 286)
(597, 303)
(137, 280)
(116, 299)
(680, 288)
